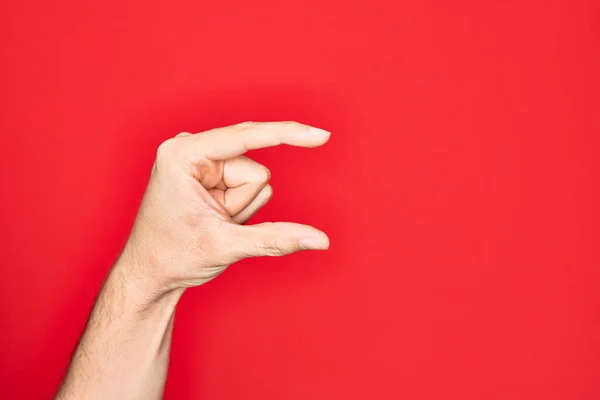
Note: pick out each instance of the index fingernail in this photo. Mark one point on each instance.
(318, 133)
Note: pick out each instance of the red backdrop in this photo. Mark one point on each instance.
(459, 189)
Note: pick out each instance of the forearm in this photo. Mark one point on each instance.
(124, 352)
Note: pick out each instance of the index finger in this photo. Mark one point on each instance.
(235, 140)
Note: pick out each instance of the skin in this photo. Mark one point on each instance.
(188, 230)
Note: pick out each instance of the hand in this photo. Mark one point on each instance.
(188, 229)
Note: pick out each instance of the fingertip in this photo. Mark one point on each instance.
(319, 133)
(328, 242)
(318, 136)
(318, 241)
(267, 192)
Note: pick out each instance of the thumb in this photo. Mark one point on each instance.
(278, 239)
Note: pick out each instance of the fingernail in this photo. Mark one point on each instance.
(319, 133)
(314, 244)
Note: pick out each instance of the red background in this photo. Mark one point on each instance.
(459, 189)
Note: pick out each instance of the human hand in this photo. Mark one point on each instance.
(201, 190)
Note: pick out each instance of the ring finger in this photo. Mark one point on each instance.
(243, 179)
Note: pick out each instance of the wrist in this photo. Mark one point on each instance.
(132, 275)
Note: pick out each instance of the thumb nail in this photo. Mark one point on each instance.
(314, 243)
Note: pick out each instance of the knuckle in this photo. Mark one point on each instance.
(293, 125)
(246, 125)
(264, 174)
(272, 247)
(167, 150)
